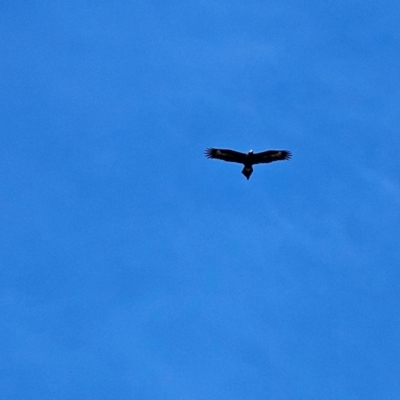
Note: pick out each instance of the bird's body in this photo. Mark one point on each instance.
(248, 159)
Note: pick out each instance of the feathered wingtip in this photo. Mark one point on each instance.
(287, 155)
(209, 152)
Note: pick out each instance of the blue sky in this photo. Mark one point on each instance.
(134, 268)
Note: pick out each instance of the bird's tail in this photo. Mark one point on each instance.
(247, 171)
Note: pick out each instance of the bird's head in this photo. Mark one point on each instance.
(250, 152)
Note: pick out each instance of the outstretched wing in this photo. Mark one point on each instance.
(270, 156)
(226, 155)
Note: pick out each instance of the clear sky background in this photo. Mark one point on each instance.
(134, 268)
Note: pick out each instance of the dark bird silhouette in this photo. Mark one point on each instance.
(249, 159)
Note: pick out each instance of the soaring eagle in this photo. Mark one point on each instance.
(249, 159)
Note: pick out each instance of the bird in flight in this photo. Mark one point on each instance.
(249, 159)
